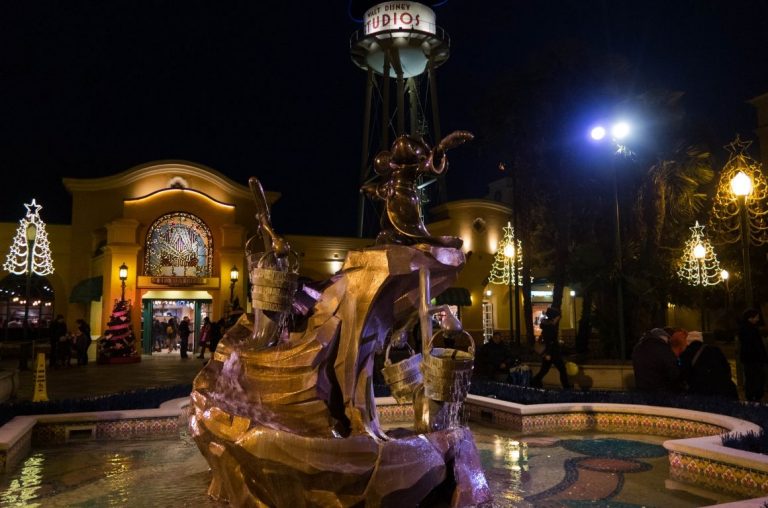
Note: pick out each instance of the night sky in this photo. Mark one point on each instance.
(91, 89)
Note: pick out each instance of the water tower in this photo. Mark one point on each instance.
(400, 42)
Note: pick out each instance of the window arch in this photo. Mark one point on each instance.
(178, 244)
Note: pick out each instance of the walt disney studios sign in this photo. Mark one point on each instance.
(399, 16)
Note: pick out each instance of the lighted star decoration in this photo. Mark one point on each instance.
(725, 221)
(20, 260)
(508, 263)
(699, 265)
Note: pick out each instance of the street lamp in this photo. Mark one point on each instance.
(507, 265)
(509, 254)
(698, 254)
(31, 237)
(741, 186)
(619, 131)
(123, 274)
(724, 275)
(234, 275)
(573, 308)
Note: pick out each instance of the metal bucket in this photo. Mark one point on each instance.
(273, 288)
(403, 377)
(448, 372)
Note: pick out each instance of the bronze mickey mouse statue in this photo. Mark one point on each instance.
(400, 169)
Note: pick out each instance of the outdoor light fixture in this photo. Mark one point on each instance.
(724, 275)
(619, 131)
(741, 186)
(123, 275)
(31, 237)
(488, 292)
(506, 269)
(699, 251)
(234, 275)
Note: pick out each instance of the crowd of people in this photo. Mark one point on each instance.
(174, 335)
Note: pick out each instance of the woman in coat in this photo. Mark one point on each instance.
(752, 355)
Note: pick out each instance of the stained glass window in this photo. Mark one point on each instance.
(178, 245)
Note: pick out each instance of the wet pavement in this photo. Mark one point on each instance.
(156, 370)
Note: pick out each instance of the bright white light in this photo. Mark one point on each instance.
(488, 292)
(573, 293)
(699, 251)
(741, 184)
(724, 274)
(598, 133)
(620, 130)
(509, 251)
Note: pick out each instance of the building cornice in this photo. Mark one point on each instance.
(169, 169)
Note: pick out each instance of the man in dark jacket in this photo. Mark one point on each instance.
(184, 333)
(551, 354)
(706, 369)
(655, 365)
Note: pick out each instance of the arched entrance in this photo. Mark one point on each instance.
(162, 305)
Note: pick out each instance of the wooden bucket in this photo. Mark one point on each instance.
(403, 377)
(273, 289)
(448, 372)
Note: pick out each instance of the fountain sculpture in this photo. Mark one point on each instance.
(285, 413)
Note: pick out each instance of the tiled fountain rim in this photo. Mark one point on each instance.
(709, 446)
(17, 432)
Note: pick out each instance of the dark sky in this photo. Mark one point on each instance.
(91, 89)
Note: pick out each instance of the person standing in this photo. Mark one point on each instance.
(752, 355)
(205, 336)
(655, 364)
(170, 334)
(184, 332)
(706, 369)
(58, 330)
(82, 341)
(551, 354)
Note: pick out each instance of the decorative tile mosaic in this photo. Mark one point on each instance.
(145, 428)
(717, 475)
(394, 413)
(605, 422)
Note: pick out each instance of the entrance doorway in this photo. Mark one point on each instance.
(160, 313)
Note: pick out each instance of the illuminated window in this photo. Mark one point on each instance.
(178, 244)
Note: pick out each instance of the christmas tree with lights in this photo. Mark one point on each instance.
(118, 345)
(508, 263)
(30, 234)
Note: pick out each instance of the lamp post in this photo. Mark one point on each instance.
(31, 237)
(509, 254)
(741, 186)
(619, 131)
(573, 307)
(123, 274)
(234, 275)
(724, 275)
(698, 253)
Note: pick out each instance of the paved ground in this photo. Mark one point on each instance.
(161, 369)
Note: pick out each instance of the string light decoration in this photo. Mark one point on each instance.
(19, 260)
(725, 222)
(699, 265)
(508, 262)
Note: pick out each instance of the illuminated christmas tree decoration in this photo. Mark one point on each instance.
(699, 265)
(30, 234)
(508, 262)
(741, 183)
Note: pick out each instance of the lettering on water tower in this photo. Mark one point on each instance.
(399, 16)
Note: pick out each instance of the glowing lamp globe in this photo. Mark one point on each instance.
(509, 251)
(741, 184)
(597, 133)
(620, 130)
(699, 252)
(571, 368)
